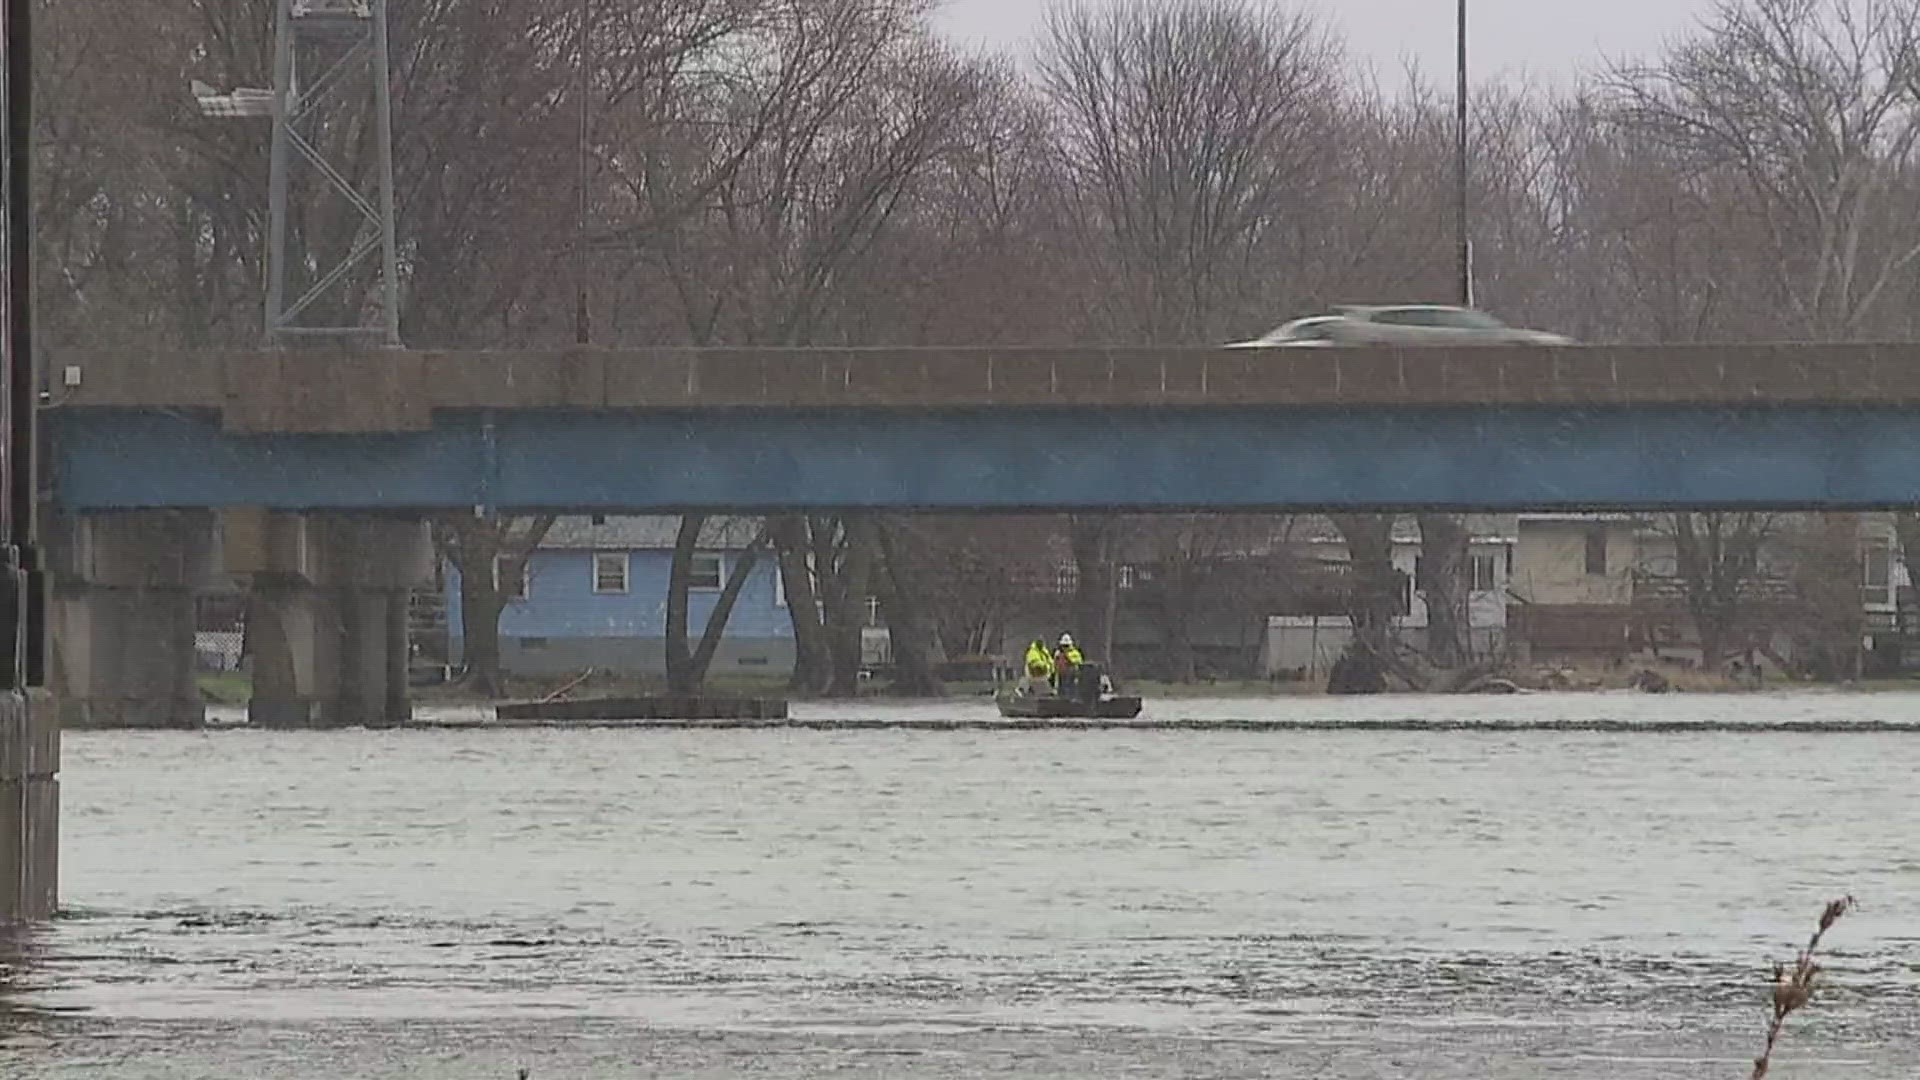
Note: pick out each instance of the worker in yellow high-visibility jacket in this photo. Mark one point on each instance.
(1039, 668)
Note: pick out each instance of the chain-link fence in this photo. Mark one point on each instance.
(217, 650)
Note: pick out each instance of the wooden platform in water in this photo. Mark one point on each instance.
(648, 707)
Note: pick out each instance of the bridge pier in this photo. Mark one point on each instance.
(327, 615)
(121, 616)
(29, 806)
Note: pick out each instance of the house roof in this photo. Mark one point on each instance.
(653, 532)
(657, 532)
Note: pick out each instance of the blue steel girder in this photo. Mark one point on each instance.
(1389, 457)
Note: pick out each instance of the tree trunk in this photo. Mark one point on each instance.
(907, 622)
(480, 605)
(811, 667)
(1178, 615)
(483, 550)
(681, 678)
(1446, 584)
(847, 605)
(1093, 614)
(1373, 601)
(1180, 662)
(723, 610)
(1713, 641)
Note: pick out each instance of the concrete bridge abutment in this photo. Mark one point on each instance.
(121, 616)
(327, 614)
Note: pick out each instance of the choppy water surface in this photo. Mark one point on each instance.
(893, 903)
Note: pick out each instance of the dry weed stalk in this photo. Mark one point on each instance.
(1792, 989)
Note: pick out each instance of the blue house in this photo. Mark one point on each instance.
(595, 596)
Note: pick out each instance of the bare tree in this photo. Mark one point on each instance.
(904, 601)
(1195, 571)
(1184, 142)
(687, 667)
(979, 575)
(1718, 560)
(1445, 581)
(1810, 105)
(1186, 133)
(1826, 620)
(1091, 539)
(490, 555)
(844, 109)
(1374, 598)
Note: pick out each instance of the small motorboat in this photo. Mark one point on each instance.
(1091, 695)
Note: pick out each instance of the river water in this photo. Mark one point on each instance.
(890, 903)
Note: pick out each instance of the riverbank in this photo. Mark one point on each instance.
(233, 689)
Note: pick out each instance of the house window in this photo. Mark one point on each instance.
(511, 583)
(1127, 578)
(1483, 576)
(1597, 550)
(609, 571)
(704, 573)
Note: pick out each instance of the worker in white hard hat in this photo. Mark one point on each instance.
(1066, 664)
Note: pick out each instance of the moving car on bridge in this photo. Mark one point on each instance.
(1399, 324)
(1314, 331)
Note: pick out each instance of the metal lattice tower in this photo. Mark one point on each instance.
(330, 67)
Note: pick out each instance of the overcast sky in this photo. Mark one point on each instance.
(1547, 39)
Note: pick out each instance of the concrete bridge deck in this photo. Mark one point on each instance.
(1831, 426)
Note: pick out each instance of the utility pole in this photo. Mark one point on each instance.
(330, 68)
(1464, 240)
(22, 599)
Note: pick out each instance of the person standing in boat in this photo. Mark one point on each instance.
(1039, 668)
(1066, 665)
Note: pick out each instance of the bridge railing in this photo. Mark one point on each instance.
(400, 390)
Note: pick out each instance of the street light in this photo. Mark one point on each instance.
(582, 317)
(1464, 239)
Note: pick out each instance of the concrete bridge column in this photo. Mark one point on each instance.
(121, 616)
(327, 615)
